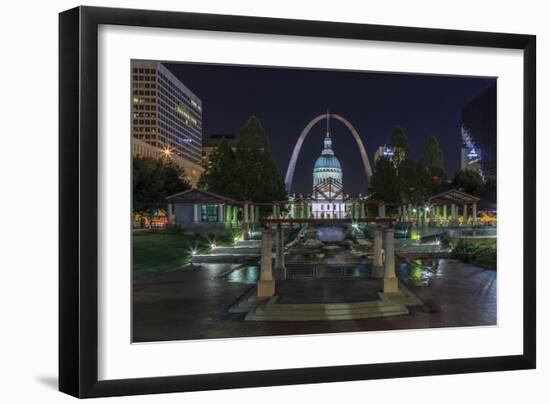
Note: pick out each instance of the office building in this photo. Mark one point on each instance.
(166, 115)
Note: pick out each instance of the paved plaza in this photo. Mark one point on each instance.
(195, 302)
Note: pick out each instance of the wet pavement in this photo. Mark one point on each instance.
(193, 303)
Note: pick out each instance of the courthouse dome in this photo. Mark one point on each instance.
(327, 164)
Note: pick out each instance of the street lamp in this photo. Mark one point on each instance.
(167, 152)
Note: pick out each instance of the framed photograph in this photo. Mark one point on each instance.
(251, 201)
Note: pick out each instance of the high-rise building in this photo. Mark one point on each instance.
(166, 115)
(479, 133)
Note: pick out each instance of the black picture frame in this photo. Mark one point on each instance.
(78, 195)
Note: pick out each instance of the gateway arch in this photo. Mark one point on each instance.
(294, 158)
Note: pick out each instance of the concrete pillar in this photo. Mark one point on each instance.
(195, 213)
(418, 216)
(245, 213)
(227, 214)
(280, 268)
(474, 214)
(266, 284)
(220, 213)
(252, 214)
(453, 214)
(377, 266)
(257, 213)
(362, 211)
(465, 215)
(425, 215)
(445, 217)
(410, 210)
(391, 283)
(235, 214)
(171, 214)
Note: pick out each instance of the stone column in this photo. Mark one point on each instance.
(410, 214)
(445, 217)
(245, 213)
(453, 214)
(424, 216)
(266, 284)
(257, 214)
(362, 211)
(474, 214)
(280, 268)
(195, 213)
(377, 266)
(391, 283)
(220, 213)
(465, 215)
(171, 214)
(252, 214)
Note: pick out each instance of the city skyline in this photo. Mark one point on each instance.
(285, 100)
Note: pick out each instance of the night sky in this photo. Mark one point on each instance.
(285, 100)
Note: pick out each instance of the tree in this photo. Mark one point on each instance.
(432, 159)
(258, 176)
(490, 191)
(220, 175)
(408, 180)
(470, 182)
(152, 181)
(400, 143)
(384, 181)
(432, 156)
(424, 184)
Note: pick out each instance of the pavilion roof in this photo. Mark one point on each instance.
(196, 195)
(453, 196)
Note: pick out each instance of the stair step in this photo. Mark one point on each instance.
(325, 312)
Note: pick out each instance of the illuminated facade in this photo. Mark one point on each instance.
(165, 113)
(327, 197)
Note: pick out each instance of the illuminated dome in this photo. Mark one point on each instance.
(324, 162)
(327, 164)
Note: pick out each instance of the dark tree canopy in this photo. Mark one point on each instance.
(249, 173)
(221, 172)
(490, 192)
(432, 155)
(384, 181)
(154, 180)
(470, 182)
(400, 142)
